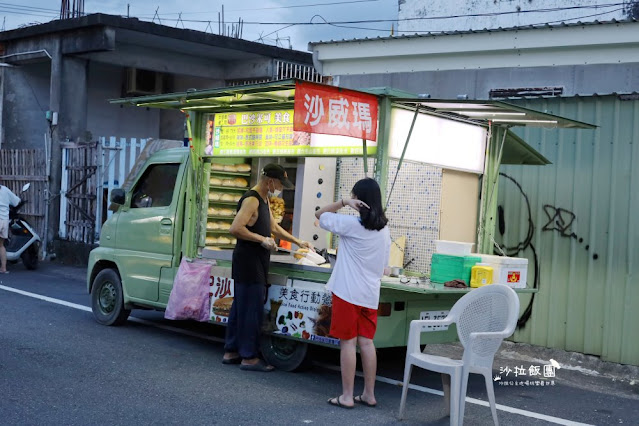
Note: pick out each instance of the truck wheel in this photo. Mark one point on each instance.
(30, 257)
(285, 354)
(107, 301)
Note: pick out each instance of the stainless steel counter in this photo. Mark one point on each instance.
(277, 259)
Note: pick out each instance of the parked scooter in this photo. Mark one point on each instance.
(22, 242)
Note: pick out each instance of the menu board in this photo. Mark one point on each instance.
(271, 134)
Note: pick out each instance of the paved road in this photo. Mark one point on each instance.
(58, 366)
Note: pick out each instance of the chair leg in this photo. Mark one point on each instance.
(407, 372)
(462, 395)
(455, 385)
(446, 388)
(491, 396)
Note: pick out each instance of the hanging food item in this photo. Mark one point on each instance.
(277, 208)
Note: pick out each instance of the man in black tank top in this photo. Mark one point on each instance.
(253, 226)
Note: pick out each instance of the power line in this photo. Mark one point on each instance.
(34, 8)
(272, 7)
(424, 18)
(52, 16)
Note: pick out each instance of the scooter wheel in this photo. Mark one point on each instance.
(107, 301)
(30, 257)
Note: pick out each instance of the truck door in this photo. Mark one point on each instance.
(146, 230)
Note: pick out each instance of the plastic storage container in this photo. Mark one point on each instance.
(480, 275)
(455, 248)
(445, 267)
(510, 271)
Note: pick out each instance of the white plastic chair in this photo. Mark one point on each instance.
(484, 317)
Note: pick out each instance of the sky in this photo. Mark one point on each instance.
(286, 23)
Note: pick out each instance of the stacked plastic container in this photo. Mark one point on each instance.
(454, 260)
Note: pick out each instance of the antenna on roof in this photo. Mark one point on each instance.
(179, 19)
(157, 16)
(4, 20)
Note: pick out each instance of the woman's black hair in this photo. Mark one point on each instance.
(367, 190)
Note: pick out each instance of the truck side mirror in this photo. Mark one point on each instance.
(118, 196)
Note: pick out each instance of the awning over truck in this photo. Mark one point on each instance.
(281, 94)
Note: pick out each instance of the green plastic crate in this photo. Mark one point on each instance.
(446, 267)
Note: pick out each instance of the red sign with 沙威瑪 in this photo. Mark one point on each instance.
(334, 111)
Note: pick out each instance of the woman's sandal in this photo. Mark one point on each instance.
(229, 361)
(337, 403)
(360, 400)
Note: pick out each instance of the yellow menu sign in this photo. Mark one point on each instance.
(268, 134)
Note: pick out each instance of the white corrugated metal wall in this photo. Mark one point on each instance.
(579, 219)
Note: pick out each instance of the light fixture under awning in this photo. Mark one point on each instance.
(496, 111)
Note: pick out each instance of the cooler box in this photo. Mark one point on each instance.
(446, 267)
(510, 271)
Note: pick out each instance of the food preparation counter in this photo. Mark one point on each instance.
(286, 264)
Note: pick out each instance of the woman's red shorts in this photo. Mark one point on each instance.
(349, 321)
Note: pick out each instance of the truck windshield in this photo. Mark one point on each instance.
(156, 186)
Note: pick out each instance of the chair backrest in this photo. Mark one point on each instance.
(493, 308)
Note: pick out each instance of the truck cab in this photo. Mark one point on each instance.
(140, 244)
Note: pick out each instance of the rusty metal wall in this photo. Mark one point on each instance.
(578, 220)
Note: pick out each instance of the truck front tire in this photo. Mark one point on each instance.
(107, 299)
(285, 354)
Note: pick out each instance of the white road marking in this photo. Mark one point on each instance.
(501, 407)
(382, 379)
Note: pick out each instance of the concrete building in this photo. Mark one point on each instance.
(575, 220)
(420, 17)
(72, 67)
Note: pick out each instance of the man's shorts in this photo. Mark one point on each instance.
(4, 229)
(349, 321)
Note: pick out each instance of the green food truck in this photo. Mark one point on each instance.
(437, 162)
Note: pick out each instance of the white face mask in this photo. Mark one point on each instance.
(275, 192)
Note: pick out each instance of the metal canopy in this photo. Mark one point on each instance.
(277, 94)
(281, 94)
(499, 113)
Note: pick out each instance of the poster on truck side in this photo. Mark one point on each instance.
(221, 293)
(299, 312)
(304, 313)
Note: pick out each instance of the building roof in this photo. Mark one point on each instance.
(482, 31)
(134, 25)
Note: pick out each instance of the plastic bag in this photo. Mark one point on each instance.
(189, 298)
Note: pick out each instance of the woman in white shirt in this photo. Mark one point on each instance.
(364, 247)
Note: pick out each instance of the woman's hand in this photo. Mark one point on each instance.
(355, 203)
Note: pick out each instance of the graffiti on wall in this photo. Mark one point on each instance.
(561, 220)
(557, 220)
